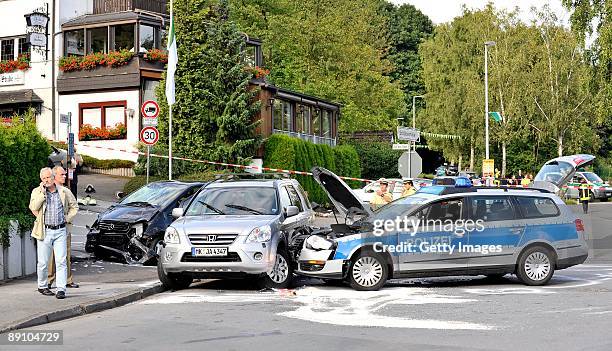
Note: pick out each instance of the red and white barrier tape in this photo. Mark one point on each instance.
(218, 163)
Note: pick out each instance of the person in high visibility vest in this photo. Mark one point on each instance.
(585, 196)
(408, 188)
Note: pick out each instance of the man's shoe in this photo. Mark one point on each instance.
(72, 285)
(60, 295)
(46, 292)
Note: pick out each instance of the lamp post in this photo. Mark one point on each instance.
(487, 44)
(414, 114)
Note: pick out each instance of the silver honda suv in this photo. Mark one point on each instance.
(237, 228)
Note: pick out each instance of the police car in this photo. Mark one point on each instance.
(444, 230)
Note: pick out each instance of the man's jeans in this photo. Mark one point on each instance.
(54, 240)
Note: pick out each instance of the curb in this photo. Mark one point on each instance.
(85, 308)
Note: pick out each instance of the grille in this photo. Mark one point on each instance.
(212, 239)
(109, 226)
(231, 257)
(112, 239)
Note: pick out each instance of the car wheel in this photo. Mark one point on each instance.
(100, 253)
(604, 199)
(536, 266)
(173, 281)
(281, 275)
(367, 271)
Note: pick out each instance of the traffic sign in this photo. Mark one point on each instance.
(149, 109)
(410, 164)
(401, 146)
(410, 134)
(488, 167)
(149, 135)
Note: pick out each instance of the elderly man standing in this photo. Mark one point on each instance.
(53, 206)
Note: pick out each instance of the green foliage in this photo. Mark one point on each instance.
(93, 162)
(23, 152)
(378, 160)
(136, 182)
(214, 114)
(284, 152)
(330, 49)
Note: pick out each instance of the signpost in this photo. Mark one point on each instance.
(488, 170)
(149, 135)
(150, 112)
(410, 134)
(410, 164)
(401, 146)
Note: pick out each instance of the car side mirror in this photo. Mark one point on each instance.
(178, 212)
(291, 211)
(119, 195)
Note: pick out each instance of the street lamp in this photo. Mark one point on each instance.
(487, 44)
(414, 114)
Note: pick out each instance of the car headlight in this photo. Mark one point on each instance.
(259, 235)
(315, 242)
(138, 230)
(172, 236)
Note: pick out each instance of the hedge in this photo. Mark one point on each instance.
(158, 166)
(138, 181)
(285, 152)
(23, 152)
(378, 160)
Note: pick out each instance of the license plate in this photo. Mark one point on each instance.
(208, 251)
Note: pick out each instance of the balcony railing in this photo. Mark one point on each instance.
(110, 6)
(308, 137)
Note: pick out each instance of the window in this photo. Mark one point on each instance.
(23, 48)
(537, 207)
(124, 37)
(103, 114)
(282, 113)
(284, 198)
(97, 40)
(277, 114)
(250, 56)
(326, 124)
(287, 107)
(147, 38)
(316, 122)
(7, 49)
(446, 210)
(295, 198)
(74, 42)
(163, 34)
(148, 89)
(491, 208)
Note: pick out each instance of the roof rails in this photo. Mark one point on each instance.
(241, 176)
(506, 188)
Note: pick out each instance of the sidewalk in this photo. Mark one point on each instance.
(103, 285)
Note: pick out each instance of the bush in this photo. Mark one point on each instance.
(23, 152)
(158, 166)
(378, 160)
(282, 151)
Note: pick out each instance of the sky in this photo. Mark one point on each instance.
(440, 11)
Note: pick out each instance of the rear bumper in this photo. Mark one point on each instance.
(571, 261)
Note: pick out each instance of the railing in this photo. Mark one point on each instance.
(110, 6)
(308, 137)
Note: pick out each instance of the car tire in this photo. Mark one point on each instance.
(367, 271)
(536, 266)
(100, 253)
(173, 281)
(281, 274)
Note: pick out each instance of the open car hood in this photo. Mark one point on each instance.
(559, 171)
(340, 194)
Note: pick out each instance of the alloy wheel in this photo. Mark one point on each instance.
(280, 272)
(367, 271)
(537, 266)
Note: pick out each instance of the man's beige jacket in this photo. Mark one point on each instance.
(38, 204)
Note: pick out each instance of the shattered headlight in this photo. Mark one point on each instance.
(259, 234)
(138, 230)
(172, 236)
(315, 242)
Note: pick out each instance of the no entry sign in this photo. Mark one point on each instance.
(150, 109)
(149, 135)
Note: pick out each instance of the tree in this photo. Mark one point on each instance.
(329, 49)
(214, 114)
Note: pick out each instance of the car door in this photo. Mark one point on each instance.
(438, 229)
(493, 242)
(289, 224)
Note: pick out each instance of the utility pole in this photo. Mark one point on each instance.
(487, 44)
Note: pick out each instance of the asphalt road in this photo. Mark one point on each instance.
(572, 313)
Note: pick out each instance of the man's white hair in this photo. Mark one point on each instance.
(45, 170)
(56, 169)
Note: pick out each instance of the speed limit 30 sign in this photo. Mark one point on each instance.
(149, 135)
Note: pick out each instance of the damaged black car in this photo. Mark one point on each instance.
(133, 229)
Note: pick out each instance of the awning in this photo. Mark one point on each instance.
(26, 96)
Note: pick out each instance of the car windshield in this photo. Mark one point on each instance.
(234, 201)
(592, 177)
(554, 172)
(157, 194)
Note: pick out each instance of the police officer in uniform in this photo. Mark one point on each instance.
(408, 188)
(382, 196)
(585, 196)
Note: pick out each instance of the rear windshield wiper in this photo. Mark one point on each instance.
(140, 203)
(212, 208)
(244, 208)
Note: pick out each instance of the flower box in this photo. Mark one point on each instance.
(87, 132)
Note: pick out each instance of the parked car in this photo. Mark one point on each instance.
(532, 230)
(559, 171)
(598, 188)
(134, 228)
(237, 229)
